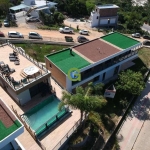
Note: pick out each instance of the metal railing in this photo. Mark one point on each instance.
(67, 136)
(21, 85)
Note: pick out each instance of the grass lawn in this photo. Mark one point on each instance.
(38, 51)
(144, 55)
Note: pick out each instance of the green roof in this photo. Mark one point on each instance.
(4, 131)
(65, 61)
(120, 40)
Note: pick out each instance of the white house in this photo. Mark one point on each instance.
(33, 7)
(104, 15)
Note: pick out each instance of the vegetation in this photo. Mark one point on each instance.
(130, 82)
(82, 100)
(38, 51)
(53, 18)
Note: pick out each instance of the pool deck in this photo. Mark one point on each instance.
(51, 139)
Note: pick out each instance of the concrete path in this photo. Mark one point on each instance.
(134, 123)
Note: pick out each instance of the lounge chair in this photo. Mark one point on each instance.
(13, 58)
(12, 70)
(17, 62)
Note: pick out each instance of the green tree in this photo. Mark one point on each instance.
(52, 9)
(82, 100)
(130, 82)
(60, 18)
(4, 5)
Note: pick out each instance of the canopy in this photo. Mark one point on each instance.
(21, 6)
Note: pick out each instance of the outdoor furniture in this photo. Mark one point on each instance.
(17, 62)
(24, 80)
(13, 58)
(16, 83)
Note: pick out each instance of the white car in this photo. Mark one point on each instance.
(85, 32)
(66, 30)
(14, 34)
(136, 35)
(32, 19)
(34, 35)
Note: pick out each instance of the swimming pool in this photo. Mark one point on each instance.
(44, 115)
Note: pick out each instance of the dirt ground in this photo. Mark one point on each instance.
(51, 35)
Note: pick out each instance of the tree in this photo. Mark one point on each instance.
(130, 82)
(52, 9)
(60, 18)
(82, 100)
(4, 5)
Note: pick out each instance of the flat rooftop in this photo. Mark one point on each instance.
(24, 64)
(120, 40)
(96, 50)
(8, 122)
(65, 61)
(107, 6)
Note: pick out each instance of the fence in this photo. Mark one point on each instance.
(67, 136)
(28, 129)
(22, 52)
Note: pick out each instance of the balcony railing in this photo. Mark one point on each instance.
(105, 65)
(29, 80)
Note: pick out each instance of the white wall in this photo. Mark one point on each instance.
(28, 2)
(112, 20)
(94, 20)
(24, 97)
(103, 21)
(35, 13)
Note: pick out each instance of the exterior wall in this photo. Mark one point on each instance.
(35, 13)
(108, 12)
(57, 74)
(109, 73)
(28, 2)
(94, 19)
(24, 97)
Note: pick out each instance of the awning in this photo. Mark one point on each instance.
(21, 6)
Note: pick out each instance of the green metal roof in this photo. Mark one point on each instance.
(65, 61)
(120, 40)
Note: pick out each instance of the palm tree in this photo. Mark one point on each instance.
(82, 100)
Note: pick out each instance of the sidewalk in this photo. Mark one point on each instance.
(132, 126)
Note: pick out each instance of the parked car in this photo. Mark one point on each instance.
(85, 32)
(6, 23)
(32, 19)
(136, 35)
(146, 37)
(14, 34)
(34, 35)
(82, 39)
(2, 34)
(66, 30)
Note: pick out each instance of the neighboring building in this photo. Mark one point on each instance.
(98, 60)
(10, 129)
(34, 6)
(23, 79)
(104, 16)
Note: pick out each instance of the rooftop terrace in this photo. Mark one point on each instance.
(8, 122)
(120, 40)
(65, 60)
(26, 69)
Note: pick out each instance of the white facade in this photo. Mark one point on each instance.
(97, 20)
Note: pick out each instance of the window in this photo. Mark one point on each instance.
(50, 65)
(103, 76)
(97, 17)
(116, 70)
